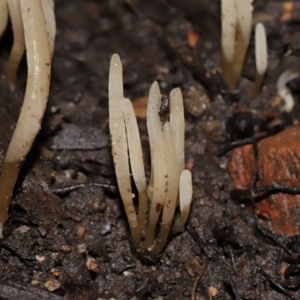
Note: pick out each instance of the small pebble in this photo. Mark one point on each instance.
(52, 284)
(91, 263)
(80, 231)
(212, 291)
(40, 258)
(65, 248)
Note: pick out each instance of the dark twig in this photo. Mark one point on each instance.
(275, 284)
(213, 82)
(18, 292)
(71, 188)
(143, 286)
(197, 279)
(254, 177)
(253, 190)
(215, 258)
(273, 188)
(194, 287)
(242, 142)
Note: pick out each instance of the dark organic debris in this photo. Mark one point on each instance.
(142, 287)
(73, 137)
(68, 189)
(213, 256)
(17, 292)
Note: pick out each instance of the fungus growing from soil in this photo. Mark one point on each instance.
(18, 48)
(169, 182)
(37, 88)
(261, 58)
(236, 19)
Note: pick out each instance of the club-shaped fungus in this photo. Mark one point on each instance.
(261, 58)
(228, 34)
(236, 21)
(169, 182)
(36, 95)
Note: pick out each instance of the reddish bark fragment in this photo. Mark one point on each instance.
(279, 162)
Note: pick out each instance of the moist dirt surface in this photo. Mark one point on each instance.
(67, 235)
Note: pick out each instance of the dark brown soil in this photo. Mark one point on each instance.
(75, 240)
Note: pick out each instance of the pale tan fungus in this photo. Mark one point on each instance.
(228, 17)
(18, 47)
(119, 144)
(154, 127)
(136, 162)
(158, 200)
(244, 27)
(228, 34)
(171, 192)
(261, 58)
(158, 163)
(185, 197)
(236, 22)
(48, 9)
(36, 95)
(3, 16)
(177, 121)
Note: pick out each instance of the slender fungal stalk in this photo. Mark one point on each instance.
(154, 127)
(4, 16)
(159, 189)
(228, 20)
(228, 35)
(119, 144)
(177, 123)
(244, 28)
(36, 95)
(171, 192)
(185, 191)
(18, 47)
(48, 9)
(136, 162)
(261, 58)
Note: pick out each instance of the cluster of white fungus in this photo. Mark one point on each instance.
(236, 20)
(34, 29)
(169, 185)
